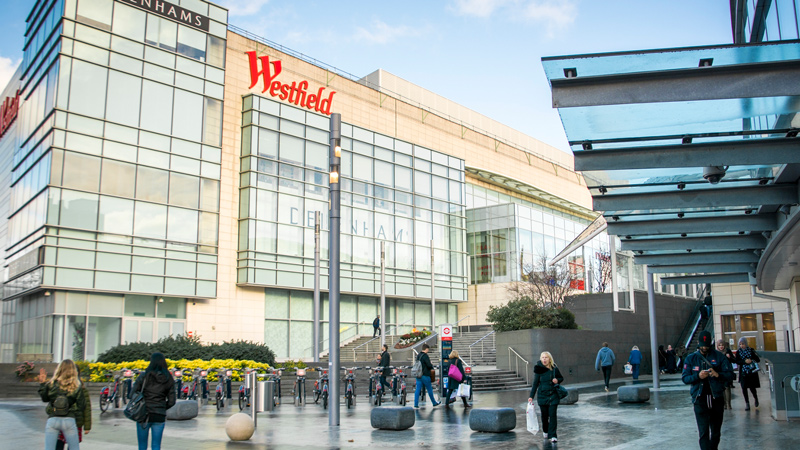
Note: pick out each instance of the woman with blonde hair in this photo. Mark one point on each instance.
(546, 377)
(65, 400)
(452, 383)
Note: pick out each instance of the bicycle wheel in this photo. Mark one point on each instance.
(324, 400)
(104, 403)
(316, 396)
(125, 393)
(116, 401)
(348, 400)
(378, 397)
(402, 400)
(241, 401)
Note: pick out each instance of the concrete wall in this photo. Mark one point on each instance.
(575, 351)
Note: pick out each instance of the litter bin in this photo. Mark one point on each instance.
(261, 396)
(267, 399)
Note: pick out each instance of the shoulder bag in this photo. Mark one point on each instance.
(136, 410)
(454, 373)
(560, 390)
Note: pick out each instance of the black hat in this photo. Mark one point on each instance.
(705, 339)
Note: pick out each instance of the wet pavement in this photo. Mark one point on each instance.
(597, 421)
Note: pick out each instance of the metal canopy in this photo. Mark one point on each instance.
(691, 155)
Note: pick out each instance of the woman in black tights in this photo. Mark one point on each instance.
(747, 358)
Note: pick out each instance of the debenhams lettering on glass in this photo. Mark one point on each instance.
(174, 12)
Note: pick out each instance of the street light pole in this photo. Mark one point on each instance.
(316, 285)
(334, 218)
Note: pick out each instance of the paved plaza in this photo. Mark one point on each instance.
(597, 421)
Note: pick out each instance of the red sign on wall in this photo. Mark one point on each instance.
(295, 93)
(8, 113)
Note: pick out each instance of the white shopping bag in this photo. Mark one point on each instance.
(533, 419)
(463, 390)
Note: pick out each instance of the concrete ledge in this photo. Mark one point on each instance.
(392, 417)
(493, 420)
(633, 394)
(572, 398)
(183, 410)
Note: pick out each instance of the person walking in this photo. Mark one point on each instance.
(385, 362)
(723, 348)
(376, 326)
(605, 360)
(662, 360)
(158, 389)
(425, 378)
(65, 401)
(546, 377)
(671, 360)
(708, 372)
(83, 421)
(452, 383)
(635, 360)
(746, 357)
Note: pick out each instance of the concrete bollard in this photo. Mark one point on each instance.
(240, 427)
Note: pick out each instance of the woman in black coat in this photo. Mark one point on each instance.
(546, 377)
(748, 375)
(452, 383)
(159, 396)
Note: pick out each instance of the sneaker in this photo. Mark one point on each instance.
(545, 435)
(606, 388)
(437, 404)
(416, 406)
(553, 439)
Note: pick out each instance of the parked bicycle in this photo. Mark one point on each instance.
(399, 384)
(350, 387)
(244, 391)
(299, 388)
(112, 392)
(375, 380)
(275, 377)
(193, 389)
(223, 375)
(321, 389)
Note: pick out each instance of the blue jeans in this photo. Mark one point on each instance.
(635, 371)
(424, 381)
(64, 425)
(143, 430)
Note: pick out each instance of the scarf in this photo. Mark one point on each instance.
(746, 353)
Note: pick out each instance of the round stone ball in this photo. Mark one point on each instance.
(240, 427)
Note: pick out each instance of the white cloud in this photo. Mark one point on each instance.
(242, 8)
(381, 33)
(479, 8)
(7, 69)
(555, 15)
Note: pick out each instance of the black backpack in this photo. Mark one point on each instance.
(61, 404)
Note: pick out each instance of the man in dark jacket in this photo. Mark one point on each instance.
(376, 326)
(708, 372)
(385, 362)
(425, 379)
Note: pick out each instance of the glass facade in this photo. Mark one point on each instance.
(116, 171)
(392, 191)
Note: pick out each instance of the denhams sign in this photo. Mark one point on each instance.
(296, 93)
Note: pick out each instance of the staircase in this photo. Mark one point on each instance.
(497, 380)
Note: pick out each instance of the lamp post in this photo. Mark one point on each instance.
(334, 218)
(315, 334)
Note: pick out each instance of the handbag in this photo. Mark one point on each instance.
(136, 410)
(533, 419)
(628, 369)
(454, 373)
(433, 375)
(561, 391)
(753, 367)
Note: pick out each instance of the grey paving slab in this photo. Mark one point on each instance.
(597, 421)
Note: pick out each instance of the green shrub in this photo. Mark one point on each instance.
(524, 313)
(189, 348)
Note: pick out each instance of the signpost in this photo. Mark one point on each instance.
(446, 344)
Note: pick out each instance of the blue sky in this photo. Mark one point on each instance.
(483, 54)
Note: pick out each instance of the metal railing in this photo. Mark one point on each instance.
(352, 329)
(418, 344)
(517, 361)
(481, 340)
(455, 325)
(377, 337)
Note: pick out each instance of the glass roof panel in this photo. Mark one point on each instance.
(657, 180)
(669, 59)
(669, 216)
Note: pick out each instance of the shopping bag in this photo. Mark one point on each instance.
(533, 419)
(463, 390)
(628, 369)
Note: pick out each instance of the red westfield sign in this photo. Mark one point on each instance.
(295, 93)
(8, 113)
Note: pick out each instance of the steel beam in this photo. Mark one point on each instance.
(727, 153)
(698, 279)
(695, 198)
(752, 222)
(758, 79)
(698, 243)
(697, 258)
(703, 268)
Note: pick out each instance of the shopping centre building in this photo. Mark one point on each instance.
(160, 173)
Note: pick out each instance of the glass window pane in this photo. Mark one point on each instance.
(79, 210)
(184, 190)
(291, 241)
(151, 184)
(768, 321)
(140, 305)
(116, 215)
(182, 225)
(81, 171)
(102, 333)
(123, 105)
(191, 43)
(129, 22)
(156, 107)
(362, 168)
(748, 322)
(216, 51)
(187, 115)
(291, 149)
(87, 91)
(162, 33)
(150, 220)
(171, 308)
(95, 12)
(209, 199)
(208, 229)
(267, 143)
(212, 132)
(118, 178)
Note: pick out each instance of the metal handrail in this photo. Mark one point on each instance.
(377, 337)
(517, 361)
(481, 341)
(322, 347)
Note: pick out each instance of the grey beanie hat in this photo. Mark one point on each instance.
(743, 339)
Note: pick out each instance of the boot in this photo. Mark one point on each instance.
(755, 397)
(726, 395)
(747, 407)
